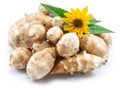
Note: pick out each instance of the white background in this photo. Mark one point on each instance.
(108, 76)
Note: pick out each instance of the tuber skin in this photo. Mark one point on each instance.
(46, 20)
(94, 45)
(54, 34)
(19, 58)
(43, 10)
(57, 21)
(82, 62)
(41, 63)
(37, 32)
(68, 45)
(20, 34)
(40, 45)
(106, 37)
(39, 18)
(13, 37)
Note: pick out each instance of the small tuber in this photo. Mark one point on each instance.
(57, 21)
(68, 45)
(37, 32)
(19, 58)
(54, 34)
(106, 37)
(94, 45)
(41, 63)
(40, 45)
(43, 10)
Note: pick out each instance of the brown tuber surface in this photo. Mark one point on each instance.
(94, 45)
(43, 10)
(19, 58)
(37, 32)
(68, 45)
(54, 34)
(41, 63)
(57, 21)
(29, 29)
(13, 37)
(40, 45)
(83, 63)
(106, 37)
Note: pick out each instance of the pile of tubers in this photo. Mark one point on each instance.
(41, 47)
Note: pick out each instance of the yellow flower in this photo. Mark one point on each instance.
(77, 21)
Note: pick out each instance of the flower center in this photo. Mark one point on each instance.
(77, 23)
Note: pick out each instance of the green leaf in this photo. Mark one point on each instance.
(55, 11)
(96, 29)
(93, 22)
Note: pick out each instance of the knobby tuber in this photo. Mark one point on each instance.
(54, 34)
(40, 45)
(82, 62)
(19, 58)
(43, 10)
(106, 37)
(57, 21)
(94, 45)
(41, 63)
(37, 32)
(68, 45)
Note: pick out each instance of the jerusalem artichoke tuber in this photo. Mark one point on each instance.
(106, 37)
(43, 10)
(40, 45)
(19, 58)
(68, 45)
(57, 21)
(54, 34)
(37, 32)
(83, 63)
(94, 45)
(41, 63)
(13, 37)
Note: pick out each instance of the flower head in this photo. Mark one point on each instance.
(77, 21)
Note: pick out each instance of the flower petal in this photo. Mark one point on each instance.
(73, 12)
(68, 15)
(68, 28)
(86, 30)
(80, 33)
(88, 17)
(73, 30)
(84, 12)
(67, 20)
(78, 12)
